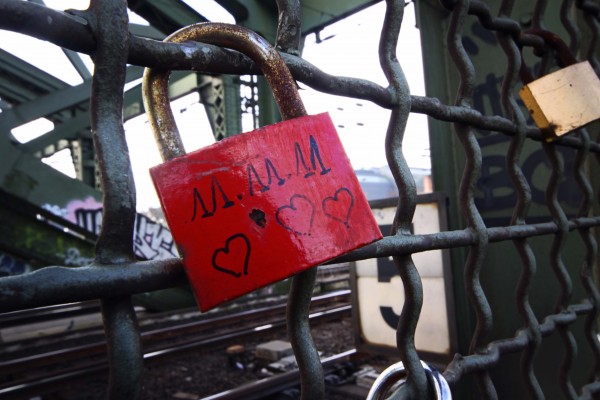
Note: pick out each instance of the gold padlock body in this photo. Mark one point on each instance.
(564, 100)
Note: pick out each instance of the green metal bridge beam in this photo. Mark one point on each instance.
(166, 16)
(78, 64)
(23, 71)
(67, 130)
(236, 9)
(146, 31)
(54, 102)
(15, 91)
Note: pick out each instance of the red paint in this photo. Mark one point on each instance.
(256, 208)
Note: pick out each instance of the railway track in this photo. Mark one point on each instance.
(57, 323)
(33, 375)
(281, 382)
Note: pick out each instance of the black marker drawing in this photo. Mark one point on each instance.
(298, 216)
(230, 262)
(270, 169)
(315, 155)
(339, 206)
(214, 185)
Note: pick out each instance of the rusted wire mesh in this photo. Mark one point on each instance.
(115, 275)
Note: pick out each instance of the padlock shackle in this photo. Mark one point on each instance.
(155, 83)
(556, 43)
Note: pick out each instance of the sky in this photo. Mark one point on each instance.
(350, 49)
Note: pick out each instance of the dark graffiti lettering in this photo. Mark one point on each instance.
(300, 160)
(90, 219)
(496, 190)
(152, 241)
(315, 156)
(309, 162)
(271, 171)
(214, 186)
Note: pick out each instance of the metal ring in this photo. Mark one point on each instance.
(396, 374)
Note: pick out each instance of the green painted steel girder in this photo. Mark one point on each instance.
(317, 14)
(34, 78)
(146, 31)
(261, 16)
(78, 64)
(236, 9)
(180, 84)
(54, 102)
(165, 15)
(67, 130)
(12, 90)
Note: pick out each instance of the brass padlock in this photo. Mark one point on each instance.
(564, 100)
(255, 208)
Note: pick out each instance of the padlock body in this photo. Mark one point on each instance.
(258, 207)
(564, 100)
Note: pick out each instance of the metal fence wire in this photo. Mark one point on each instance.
(102, 32)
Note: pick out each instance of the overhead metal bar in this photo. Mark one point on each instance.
(181, 83)
(317, 14)
(54, 102)
(67, 130)
(236, 9)
(44, 105)
(10, 89)
(165, 15)
(27, 75)
(146, 31)
(78, 64)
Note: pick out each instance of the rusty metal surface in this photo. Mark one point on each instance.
(114, 275)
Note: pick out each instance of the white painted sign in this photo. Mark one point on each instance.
(380, 293)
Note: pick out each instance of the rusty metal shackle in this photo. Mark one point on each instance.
(155, 86)
(556, 43)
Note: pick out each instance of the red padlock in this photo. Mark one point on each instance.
(258, 207)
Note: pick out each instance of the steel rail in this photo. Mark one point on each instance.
(47, 313)
(277, 383)
(21, 364)
(44, 384)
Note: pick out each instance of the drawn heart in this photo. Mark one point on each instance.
(298, 216)
(233, 258)
(339, 206)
